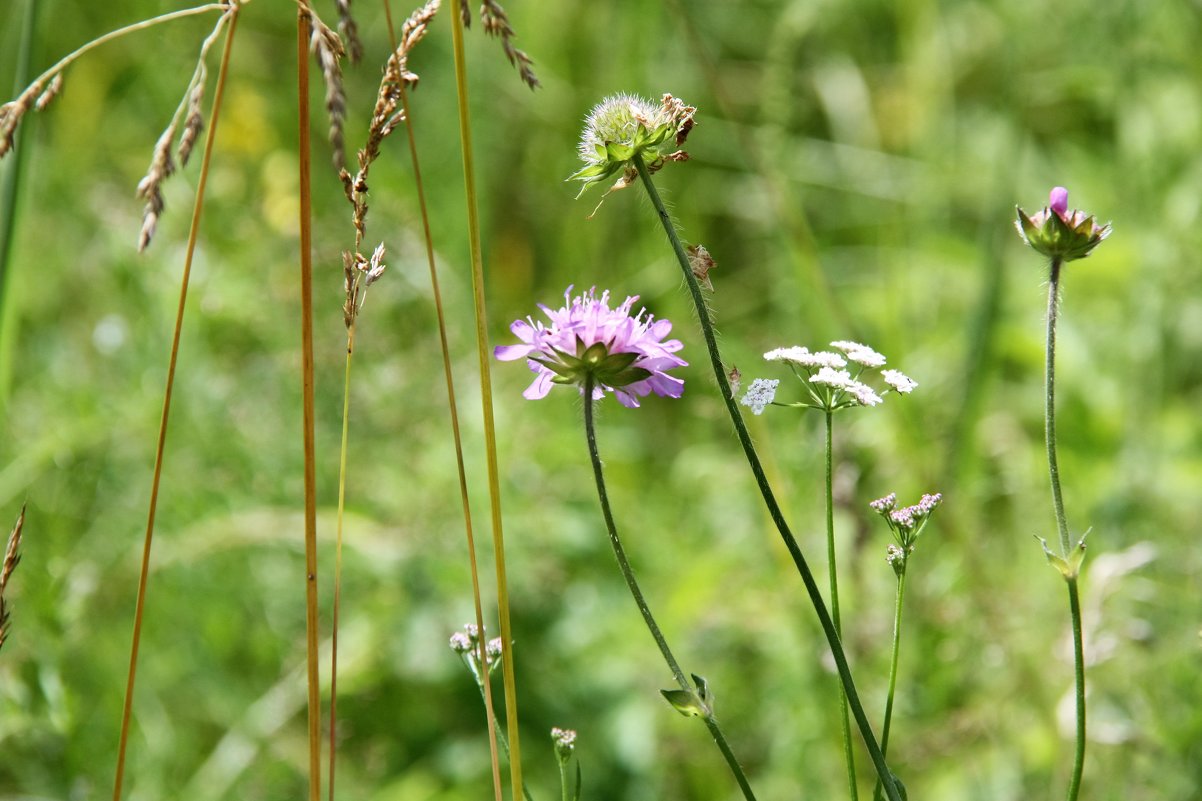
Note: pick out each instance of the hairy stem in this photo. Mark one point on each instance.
(172, 361)
(774, 510)
(1050, 408)
(490, 435)
(640, 601)
(1074, 604)
(849, 757)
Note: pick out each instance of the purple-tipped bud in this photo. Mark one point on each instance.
(1058, 201)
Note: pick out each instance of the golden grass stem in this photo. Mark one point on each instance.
(193, 233)
(346, 413)
(303, 33)
(490, 438)
(453, 408)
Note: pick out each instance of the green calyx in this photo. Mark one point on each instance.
(605, 368)
(1064, 238)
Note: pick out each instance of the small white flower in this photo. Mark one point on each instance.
(863, 393)
(460, 643)
(492, 649)
(894, 554)
(803, 357)
(760, 394)
(860, 354)
(793, 354)
(899, 381)
(832, 377)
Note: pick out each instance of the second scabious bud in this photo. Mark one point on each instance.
(1059, 233)
(623, 127)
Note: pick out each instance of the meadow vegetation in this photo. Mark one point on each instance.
(854, 171)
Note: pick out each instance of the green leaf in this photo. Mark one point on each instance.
(703, 690)
(619, 152)
(576, 793)
(685, 702)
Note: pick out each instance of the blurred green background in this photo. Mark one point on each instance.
(855, 170)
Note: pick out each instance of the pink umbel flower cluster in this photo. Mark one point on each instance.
(623, 353)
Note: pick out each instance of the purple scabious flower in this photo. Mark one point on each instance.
(622, 353)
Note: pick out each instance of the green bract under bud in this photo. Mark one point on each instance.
(625, 126)
(1059, 233)
(608, 369)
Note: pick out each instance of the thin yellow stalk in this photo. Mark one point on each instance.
(308, 415)
(490, 439)
(193, 233)
(346, 412)
(453, 407)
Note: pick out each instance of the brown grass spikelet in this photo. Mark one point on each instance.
(12, 557)
(194, 123)
(51, 92)
(496, 23)
(12, 111)
(327, 46)
(359, 272)
(349, 31)
(162, 167)
(388, 112)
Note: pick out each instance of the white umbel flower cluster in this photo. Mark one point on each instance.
(835, 380)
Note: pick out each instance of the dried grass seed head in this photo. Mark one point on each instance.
(496, 23)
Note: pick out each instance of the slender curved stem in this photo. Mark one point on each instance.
(453, 408)
(849, 756)
(1074, 603)
(897, 619)
(490, 436)
(640, 601)
(774, 510)
(66, 60)
(173, 360)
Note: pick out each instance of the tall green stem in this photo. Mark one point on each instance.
(641, 602)
(453, 410)
(484, 358)
(1074, 603)
(849, 756)
(774, 510)
(897, 618)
